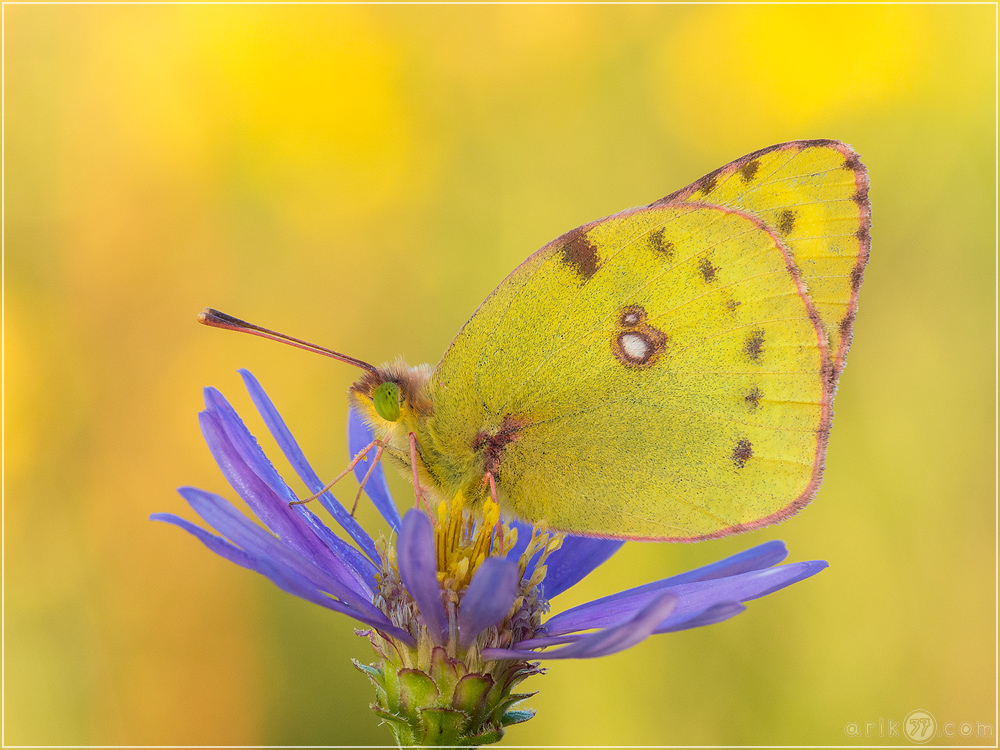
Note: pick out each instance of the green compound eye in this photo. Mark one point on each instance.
(386, 400)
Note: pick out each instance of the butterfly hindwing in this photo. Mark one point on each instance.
(815, 194)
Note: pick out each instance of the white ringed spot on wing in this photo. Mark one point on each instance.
(635, 343)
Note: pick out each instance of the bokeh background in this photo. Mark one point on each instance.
(363, 176)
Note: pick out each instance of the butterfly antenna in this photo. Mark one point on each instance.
(217, 319)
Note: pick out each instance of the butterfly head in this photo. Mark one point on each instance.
(393, 398)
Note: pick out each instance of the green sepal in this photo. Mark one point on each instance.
(377, 677)
(374, 673)
(470, 694)
(443, 726)
(502, 706)
(446, 671)
(516, 717)
(486, 738)
(416, 689)
(406, 735)
(393, 719)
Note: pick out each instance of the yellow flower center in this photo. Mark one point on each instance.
(462, 544)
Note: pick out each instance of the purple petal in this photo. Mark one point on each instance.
(714, 614)
(252, 475)
(417, 559)
(756, 558)
(360, 564)
(262, 546)
(217, 544)
(571, 563)
(276, 425)
(377, 489)
(287, 579)
(695, 598)
(242, 462)
(574, 561)
(556, 640)
(290, 581)
(488, 598)
(608, 641)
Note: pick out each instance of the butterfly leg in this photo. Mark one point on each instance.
(354, 462)
(361, 487)
(417, 489)
(493, 485)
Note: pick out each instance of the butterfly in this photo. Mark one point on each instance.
(666, 373)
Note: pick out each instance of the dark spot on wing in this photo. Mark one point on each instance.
(786, 221)
(732, 304)
(862, 234)
(852, 163)
(754, 345)
(861, 196)
(742, 453)
(752, 398)
(749, 170)
(708, 271)
(578, 253)
(707, 184)
(660, 246)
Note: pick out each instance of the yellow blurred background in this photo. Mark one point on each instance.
(362, 176)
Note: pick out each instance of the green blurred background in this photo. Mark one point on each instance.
(362, 176)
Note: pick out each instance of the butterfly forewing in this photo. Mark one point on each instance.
(658, 374)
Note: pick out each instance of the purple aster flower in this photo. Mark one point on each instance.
(455, 607)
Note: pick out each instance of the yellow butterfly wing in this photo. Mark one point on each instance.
(660, 374)
(815, 194)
